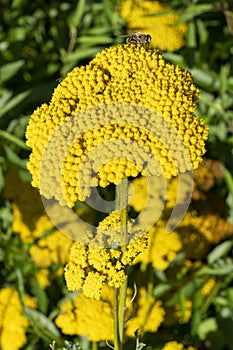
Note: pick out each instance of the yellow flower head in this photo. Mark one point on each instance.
(94, 318)
(148, 317)
(162, 247)
(12, 322)
(158, 20)
(88, 317)
(174, 345)
(31, 223)
(90, 267)
(126, 112)
(199, 232)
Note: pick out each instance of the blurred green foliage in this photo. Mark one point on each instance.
(40, 42)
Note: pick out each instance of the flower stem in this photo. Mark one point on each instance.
(116, 321)
(94, 345)
(120, 293)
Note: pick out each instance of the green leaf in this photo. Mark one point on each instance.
(95, 40)
(229, 201)
(220, 251)
(8, 70)
(21, 288)
(202, 31)
(217, 271)
(13, 158)
(207, 326)
(187, 290)
(194, 11)
(205, 78)
(229, 179)
(191, 35)
(13, 139)
(225, 71)
(229, 293)
(78, 54)
(174, 58)
(160, 289)
(42, 325)
(41, 296)
(2, 181)
(12, 102)
(196, 311)
(75, 17)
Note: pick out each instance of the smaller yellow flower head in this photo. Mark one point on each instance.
(31, 222)
(13, 324)
(148, 317)
(162, 247)
(158, 20)
(88, 317)
(90, 267)
(174, 345)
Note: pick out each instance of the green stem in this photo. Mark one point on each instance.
(121, 292)
(94, 345)
(121, 311)
(116, 322)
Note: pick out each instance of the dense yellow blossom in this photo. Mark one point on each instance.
(149, 315)
(138, 102)
(31, 223)
(201, 226)
(158, 20)
(12, 322)
(162, 247)
(94, 318)
(90, 267)
(88, 317)
(43, 278)
(199, 232)
(174, 345)
(54, 248)
(29, 219)
(140, 189)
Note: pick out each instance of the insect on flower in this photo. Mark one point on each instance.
(138, 38)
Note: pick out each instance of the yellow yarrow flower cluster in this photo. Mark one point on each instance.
(94, 318)
(52, 249)
(174, 345)
(158, 20)
(13, 324)
(43, 278)
(31, 223)
(195, 234)
(162, 247)
(199, 232)
(125, 83)
(90, 267)
(29, 219)
(88, 317)
(148, 317)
